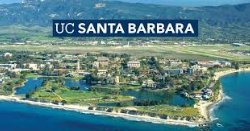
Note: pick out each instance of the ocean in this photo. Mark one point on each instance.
(231, 114)
(234, 112)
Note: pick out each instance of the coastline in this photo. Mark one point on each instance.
(85, 110)
(206, 107)
(220, 74)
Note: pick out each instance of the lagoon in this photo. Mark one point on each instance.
(76, 83)
(29, 86)
(32, 84)
(166, 98)
(232, 114)
(162, 97)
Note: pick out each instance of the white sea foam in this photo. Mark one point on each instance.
(84, 110)
(217, 105)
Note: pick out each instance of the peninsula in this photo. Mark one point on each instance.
(142, 88)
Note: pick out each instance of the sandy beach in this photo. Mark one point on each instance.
(205, 106)
(202, 106)
(219, 74)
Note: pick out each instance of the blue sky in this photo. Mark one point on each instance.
(170, 2)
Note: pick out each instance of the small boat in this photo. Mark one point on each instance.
(219, 125)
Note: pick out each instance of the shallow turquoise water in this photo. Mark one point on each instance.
(232, 114)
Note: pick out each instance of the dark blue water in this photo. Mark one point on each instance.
(34, 83)
(178, 100)
(163, 97)
(21, 117)
(73, 83)
(29, 86)
(233, 114)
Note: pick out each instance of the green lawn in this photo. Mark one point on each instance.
(99, 99)
(30, 75)
(170, 110)
(74, 97)
(200, 52)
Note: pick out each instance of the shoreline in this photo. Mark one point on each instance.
(206, 107)
(85, 110)
(220, 74)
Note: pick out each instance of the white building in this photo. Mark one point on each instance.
(134, 64)
(31, 66)
(8, 66)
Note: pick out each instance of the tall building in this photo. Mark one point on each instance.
(117, 80)
(78, 68)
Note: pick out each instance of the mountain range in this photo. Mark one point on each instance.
(227, 22)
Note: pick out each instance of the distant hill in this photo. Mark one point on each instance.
(227, 22)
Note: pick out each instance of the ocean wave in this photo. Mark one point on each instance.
(217, 105)
(139, 118)
(226, 98)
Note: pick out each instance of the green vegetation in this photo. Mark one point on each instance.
(197, 52)
(229, 26)
(9, 86)
(28, 75)
(170, 110)
(19, 33)
(54, 91)
(128, 80)
(113, 89)
(216, 91)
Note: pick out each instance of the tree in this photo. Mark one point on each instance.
(27, 96)
(136, 71)
(236, 65)
(64, 101)
(124, 64)
(54, 88)
(188, 88)
(75, 88)
(152, 62)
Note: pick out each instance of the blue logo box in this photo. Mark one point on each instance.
(125, 28)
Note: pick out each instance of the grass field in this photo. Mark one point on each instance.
(73, 96)
(170, 110)
(200, 52)
(95, 98)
